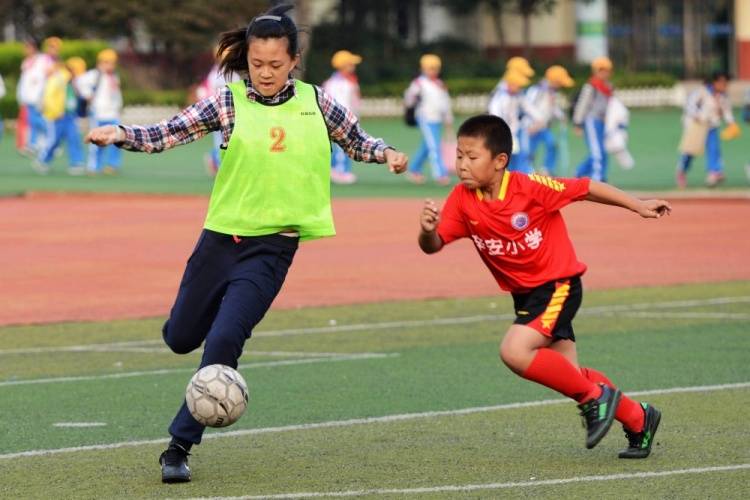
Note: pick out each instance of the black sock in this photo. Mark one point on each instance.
(185, 445)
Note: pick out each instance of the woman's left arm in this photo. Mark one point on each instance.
(606, 194)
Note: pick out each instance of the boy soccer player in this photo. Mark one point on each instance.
(515, 222)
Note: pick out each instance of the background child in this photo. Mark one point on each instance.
(746, 118)
(616, 124)
(35, 69)
(59, 108)
(210, 85)
(515, 223)
(545, 99)
(344, 87)
(433, 110)
(509, 103)
(2, 94)
(708, 106)
(101, 86)
(272, 191)
(588, 119)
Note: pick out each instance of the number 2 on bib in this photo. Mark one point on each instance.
(278, 134)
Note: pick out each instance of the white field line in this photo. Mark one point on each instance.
(167, 371)
(631, 309)
(681, 315)
(147, 346)
(372, 420)
(489, 486)
(79, 424)
(587, 311)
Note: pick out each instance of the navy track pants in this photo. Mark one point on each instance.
(228, 285)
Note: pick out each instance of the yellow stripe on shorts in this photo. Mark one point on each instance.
(550, 315)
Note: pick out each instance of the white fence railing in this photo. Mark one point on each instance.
(647, 97)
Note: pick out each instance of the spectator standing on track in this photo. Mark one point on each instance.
(705, 109)
(509, 102)
(544, 96)
(23, 127)
(212, 84)
(59, 108)
(35, 69)
(746, 118)
(589, 117)
(429, 95)
(2, 94)
(343, 86)
(101, 87)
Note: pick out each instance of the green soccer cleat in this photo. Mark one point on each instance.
(598, 415)
(174, 465)
(640, 442)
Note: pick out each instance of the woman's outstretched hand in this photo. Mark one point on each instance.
(104, 136)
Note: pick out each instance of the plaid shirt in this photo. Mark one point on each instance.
(217, 113)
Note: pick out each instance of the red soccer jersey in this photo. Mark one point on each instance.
(521, 236)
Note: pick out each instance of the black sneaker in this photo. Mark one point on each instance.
(598, 415)
(174, 465)
(639, 443)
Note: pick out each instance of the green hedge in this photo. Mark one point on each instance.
(11, 54)
(9, 106)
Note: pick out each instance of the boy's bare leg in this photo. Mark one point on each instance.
(533, 356)
(529, 354)
(567, 348)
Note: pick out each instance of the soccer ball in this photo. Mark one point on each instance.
(216, 396)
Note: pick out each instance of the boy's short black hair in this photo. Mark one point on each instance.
(718, 75)
(491, 128)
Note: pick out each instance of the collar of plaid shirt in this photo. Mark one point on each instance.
(287, 92)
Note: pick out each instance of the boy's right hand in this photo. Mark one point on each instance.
(104, 136)
(430, 216)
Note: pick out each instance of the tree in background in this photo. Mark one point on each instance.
(528, 9)
(180, 31)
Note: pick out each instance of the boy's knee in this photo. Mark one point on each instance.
(512, 357)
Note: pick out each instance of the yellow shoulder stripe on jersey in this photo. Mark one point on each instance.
(503, 188)
(548, 181)
(504, 185)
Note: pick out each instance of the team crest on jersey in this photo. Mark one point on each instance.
(519, 221)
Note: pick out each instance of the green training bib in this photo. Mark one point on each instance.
(275, 172)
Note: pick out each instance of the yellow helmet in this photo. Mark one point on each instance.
(107, 55)
(601, 63)
(558, 75)
(76, 65)
(520, 65)
(53, 42)
(344, 58)
(430, 61)
(516, 78)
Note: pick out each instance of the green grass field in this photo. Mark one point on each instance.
(654, 138)
(391, 400)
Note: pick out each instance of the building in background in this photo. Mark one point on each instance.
(687, 38)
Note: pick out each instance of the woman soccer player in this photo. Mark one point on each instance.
(271, 192)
